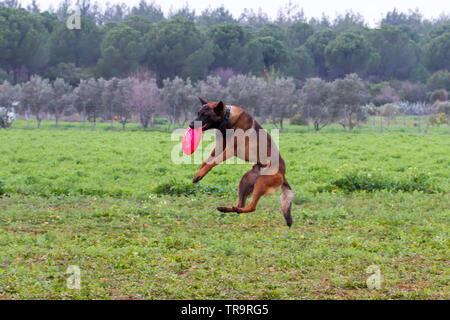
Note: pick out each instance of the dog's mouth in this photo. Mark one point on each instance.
(205, 126)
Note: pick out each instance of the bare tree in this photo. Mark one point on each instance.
(145, 98)
(349, 96)
(61, 99)
(36, 94)
(314, 96)
(178, 97)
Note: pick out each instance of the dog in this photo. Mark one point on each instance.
(268, 172)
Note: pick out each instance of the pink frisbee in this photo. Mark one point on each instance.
(191, 139)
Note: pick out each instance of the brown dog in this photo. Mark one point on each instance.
(246, 139)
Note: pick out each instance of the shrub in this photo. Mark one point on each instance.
(160, 121)
(371, 182)
(440, 94)
(177, 188)
(437, 119)
(442, 107)
(298, 120)
(2, 188)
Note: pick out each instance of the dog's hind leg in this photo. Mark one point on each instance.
(265, 184)
(246, 186)
(286, 202)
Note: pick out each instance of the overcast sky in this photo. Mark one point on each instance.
(371, 10)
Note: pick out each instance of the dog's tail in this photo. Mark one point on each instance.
(286, 202)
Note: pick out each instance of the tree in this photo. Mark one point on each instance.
(314, 97)
(211, 89)
(438, 52)
(439, 80)
(300, 64)
(349, 95)
(121, 50)
(247, 92)
(347, 53)
(122, 97)
(350, 20)
(316, 44)
(212, 17)
(412, 92)
(79, 46)
(37, 94)
(281, 97)
(68, 72)
(21, 39)
(148, 10)
(396, 52)
(228, 41)
(178, 97)
(140, 23)
(62, 98)
(298, 33)
(88, 99)
(385, 95)
(9, 95)
(170, 43)
(272, 51)
(145, 97)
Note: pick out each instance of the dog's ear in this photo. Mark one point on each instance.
(219, 108)
(202, 101)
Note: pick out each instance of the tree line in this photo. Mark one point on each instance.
(119, 40)
(272, 98)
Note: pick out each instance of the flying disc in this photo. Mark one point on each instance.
(191, 139)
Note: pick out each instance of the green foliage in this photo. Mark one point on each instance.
(414, 180)
(439, 95)
(183, 188)
(316, 44)
(170, 43)
(298, 120)
(122, 49)
(2, 188)
(439, 80)
(438, 52)
(395, 52)
(78, 46)
(348, 53)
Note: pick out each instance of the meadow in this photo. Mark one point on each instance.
(112, 203)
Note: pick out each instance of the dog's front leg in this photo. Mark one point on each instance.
(211, 163)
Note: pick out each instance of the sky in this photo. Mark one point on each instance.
(372, 11)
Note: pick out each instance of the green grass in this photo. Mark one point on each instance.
(114, 204)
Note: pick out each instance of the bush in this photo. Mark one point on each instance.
(437, 119)
(442, 107)
(2, 188)
(298, 120)
(371, 182)
(176, 188)
(439, 95)
(439, 80)
(160, 121)
(6, 118)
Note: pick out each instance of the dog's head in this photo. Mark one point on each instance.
(211, 114)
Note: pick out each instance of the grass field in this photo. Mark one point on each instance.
(114, 204)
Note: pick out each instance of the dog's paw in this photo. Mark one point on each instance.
(224, 209)
(197, 179)
(236, 209)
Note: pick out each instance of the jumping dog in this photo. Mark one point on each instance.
(268, 172)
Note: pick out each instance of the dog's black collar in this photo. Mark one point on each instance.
(227, 116)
